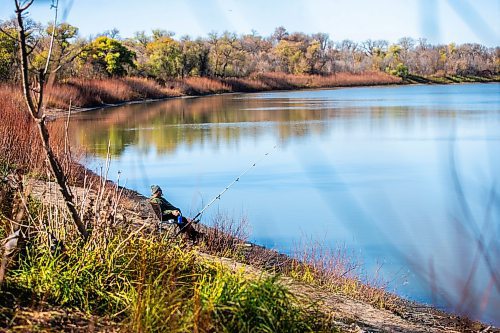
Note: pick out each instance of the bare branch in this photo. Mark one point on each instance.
(32, 48)
(41, 82)
(54, 27)
(21, 8)
(24, 59)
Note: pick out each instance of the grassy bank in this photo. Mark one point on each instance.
(130, 278)
(91, 93)
(94, 93)
(450, 79)
(146, 283)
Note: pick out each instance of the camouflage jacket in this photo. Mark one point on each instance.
(165, 206)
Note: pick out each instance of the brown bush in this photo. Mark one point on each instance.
(99, 92)
(87, 93)
(20, 144)
(204, 86)
(277, 80)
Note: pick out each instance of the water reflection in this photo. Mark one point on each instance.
(226, 119)
(374, 168)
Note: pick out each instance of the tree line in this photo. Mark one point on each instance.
(162, 56)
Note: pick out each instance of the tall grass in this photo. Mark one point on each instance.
(339, 270)
(242, 305)
(85, 93)
(99, 92)
(20, 144)
(226, 236)
(203, 86)
(290, 81)
(154, 286)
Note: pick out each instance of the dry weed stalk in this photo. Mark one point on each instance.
(98, 204)
(225, 235)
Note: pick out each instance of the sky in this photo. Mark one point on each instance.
(440, 21)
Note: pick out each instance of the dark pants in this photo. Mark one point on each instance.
(184, 227)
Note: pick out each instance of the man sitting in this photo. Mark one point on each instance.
(170, 212)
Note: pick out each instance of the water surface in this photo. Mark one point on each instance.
(403, 176)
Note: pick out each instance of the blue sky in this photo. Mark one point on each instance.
(440, 21)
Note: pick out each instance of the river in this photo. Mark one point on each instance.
(403, 176)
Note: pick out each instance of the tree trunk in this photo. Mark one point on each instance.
(12, 191)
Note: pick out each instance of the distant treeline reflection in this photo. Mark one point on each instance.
(221, 120)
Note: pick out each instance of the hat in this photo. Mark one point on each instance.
(155, 188)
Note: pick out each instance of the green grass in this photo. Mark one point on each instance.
(149, 284)
(231, 303)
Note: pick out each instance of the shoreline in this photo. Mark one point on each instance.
(56, 113)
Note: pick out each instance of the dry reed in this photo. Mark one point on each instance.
(99, 92)
(20, 145)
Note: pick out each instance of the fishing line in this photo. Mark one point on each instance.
(218, 196)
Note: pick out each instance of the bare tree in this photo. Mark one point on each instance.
(279, 34)
(373, 47)
(348, 50)
(33, 92)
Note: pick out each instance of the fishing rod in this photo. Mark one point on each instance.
(218, 196)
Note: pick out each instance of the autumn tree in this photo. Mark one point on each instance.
(8, 51)
(108, 56)
(226, 55)
(141, 38)
(395, 65)
(65, 49)
(9, 46)
(289, 56)
(164, 57)
(425, 59)
(406, 46)
(350, 56)
(315, 57)
(161, 33)
(472, 59)
(257, 53)
(375, 51)
(194, 57)
(279, 34)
